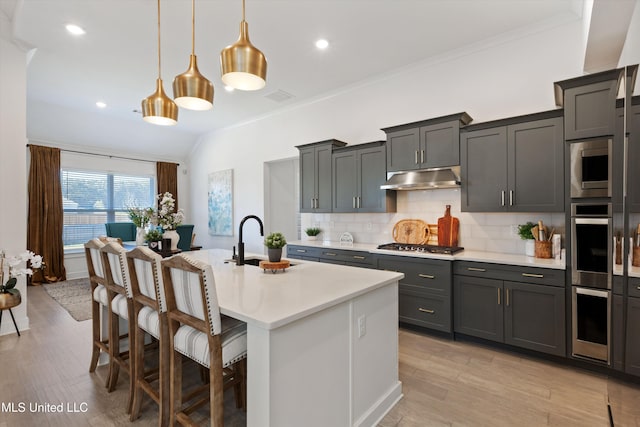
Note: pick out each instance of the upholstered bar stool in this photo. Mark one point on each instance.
(114, 264)
(99, 297)
(148, 317)
(198, 331)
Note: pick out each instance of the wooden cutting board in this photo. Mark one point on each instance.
(448, 229)
(412, 231)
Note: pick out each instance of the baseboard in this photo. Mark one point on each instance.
(377, 412)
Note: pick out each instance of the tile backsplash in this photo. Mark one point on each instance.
(493, 232)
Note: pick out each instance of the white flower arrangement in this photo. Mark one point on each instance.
(15, 271)
(166, 217)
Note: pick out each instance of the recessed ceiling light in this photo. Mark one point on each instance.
(322, 44)
(228, 88)
(75, 30)
(101, 104)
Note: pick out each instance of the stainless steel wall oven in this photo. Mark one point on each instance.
(591, 168)
(591, 277)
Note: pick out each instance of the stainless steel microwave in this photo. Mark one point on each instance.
(591, 168)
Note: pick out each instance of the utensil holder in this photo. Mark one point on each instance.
(543, 249)
(635, 259)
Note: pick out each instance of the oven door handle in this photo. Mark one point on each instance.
(592, 292)
(593, 221)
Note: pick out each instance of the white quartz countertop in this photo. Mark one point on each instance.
(271, 300)
(465, 255)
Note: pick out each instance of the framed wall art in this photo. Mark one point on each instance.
(220, 203)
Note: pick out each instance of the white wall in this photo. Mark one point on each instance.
(631, 50)
(492, 81)
(13, 152)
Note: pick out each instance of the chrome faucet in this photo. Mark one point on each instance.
(240, 258)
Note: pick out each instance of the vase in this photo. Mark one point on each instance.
(174, 236)
(140, 233)
(312, 238)
(530, 247)
(9, 300)
(274, 254)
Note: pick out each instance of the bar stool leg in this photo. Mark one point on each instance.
(12, 318)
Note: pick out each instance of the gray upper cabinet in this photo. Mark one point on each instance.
(634, 158)
(514, 165)
(589, 104)
(426, 144)
(315, 175)
(358, 173)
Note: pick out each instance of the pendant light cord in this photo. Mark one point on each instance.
(159, 75)
(243, 10)
(193, 27)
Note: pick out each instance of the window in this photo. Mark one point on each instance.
(92, 198)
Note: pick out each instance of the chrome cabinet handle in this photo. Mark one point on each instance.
(538, 276)
(417, 157)
(498, 296)
(476, 269)
(313, 203)
(359, 257)
(330, 254)
(507, 297)
(510, 197)
(304, 251)
(426, 276)
(502, 198)
(425, 310)
(421, 156)
(354, 202)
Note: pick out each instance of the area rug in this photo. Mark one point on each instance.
(73, 295)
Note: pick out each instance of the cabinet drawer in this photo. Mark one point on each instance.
(515, 273)
(302, 252)
(634, 287)
(431, 311)
(421, 274)
(348, 257)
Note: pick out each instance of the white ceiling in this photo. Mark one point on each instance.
(115, 61)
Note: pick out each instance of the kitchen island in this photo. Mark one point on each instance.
(322, 340)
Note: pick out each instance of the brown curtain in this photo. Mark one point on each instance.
(45, 216)
(167, 176)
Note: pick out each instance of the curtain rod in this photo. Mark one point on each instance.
(107, 155)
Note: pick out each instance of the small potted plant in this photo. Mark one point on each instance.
(274, 243)
(312, 233)
(525, 233)
(154, 237)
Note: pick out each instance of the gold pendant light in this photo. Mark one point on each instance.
(158, 108)
(192, 90)
(243, 66)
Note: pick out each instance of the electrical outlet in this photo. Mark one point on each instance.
(362, 326)
(514, 231)
(369, 226)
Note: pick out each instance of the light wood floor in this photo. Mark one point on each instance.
(445, 383)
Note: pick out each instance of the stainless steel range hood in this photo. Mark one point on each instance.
(426, 179)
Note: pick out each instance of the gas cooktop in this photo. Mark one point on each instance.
(432, 249)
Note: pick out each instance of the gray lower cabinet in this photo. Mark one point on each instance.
(521, 313)
(632, 350)
(315, 175)
(358, 173)
(307, 253)
(517, 167)
(618, 332)
(424, 292)
(347, 257)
